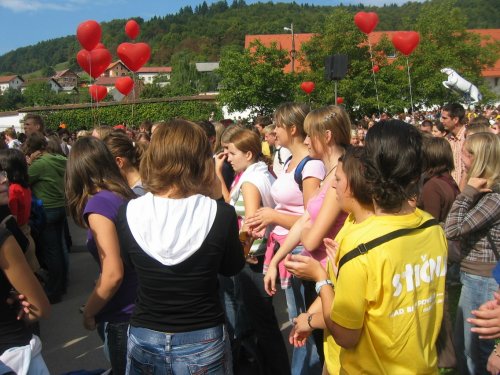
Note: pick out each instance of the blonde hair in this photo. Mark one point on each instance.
(485, 151)
(292, 114)
(102, 131)
(179, 157)
(333, 118)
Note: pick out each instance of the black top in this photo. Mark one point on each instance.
(13, 332)
(183, 297)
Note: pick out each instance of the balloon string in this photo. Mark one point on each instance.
(360, 94)
(409, 84)
(373, 74)
(92, 110)
(133, 97)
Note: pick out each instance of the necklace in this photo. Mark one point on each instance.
(330, 171)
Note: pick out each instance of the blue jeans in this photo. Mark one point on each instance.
(305, 360)
(206, 351)
(54, 255)
(236, 317)
(471, 351)
(115, 336)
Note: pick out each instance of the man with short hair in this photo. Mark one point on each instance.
(33, 124)
(452, 118)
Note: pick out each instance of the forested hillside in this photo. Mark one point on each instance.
(200, 33)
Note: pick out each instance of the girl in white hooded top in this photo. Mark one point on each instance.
(178, 240)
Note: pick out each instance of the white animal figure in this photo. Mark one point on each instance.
(460, 84)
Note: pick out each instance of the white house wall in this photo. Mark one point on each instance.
(7, 122)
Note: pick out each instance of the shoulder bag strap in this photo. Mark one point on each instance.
(364, 247)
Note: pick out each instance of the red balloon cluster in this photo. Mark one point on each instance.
(98, 92)
(366, 22)
(405, 41)
(94, 62)
(94, 58)
(308, 87)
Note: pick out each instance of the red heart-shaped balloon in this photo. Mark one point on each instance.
(124, 85)
(405, 41)
(89, 34)
(376, 68)
(340, 100)
(134, 55)
(98, 92)
(132, 29)
(307, 87)
(94, 62)
(366, 22)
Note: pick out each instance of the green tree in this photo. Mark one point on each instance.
(184, 77)
(48, 71)
(255, 79)
(11, 99)
(444, 42)
(39, 94)
(340, 35)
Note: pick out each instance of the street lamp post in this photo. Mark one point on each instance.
(292, 52)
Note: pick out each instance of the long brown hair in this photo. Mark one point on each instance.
(179, 158)
(120, 145)
(91, 168)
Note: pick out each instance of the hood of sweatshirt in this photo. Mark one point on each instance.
(171, 230)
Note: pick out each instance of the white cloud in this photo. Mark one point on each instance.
(36, 5)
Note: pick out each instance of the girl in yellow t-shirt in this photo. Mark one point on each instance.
(388, 302)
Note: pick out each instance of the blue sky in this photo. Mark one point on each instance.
(27, 22)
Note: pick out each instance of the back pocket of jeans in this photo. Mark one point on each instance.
(138, 368)
(212, 360)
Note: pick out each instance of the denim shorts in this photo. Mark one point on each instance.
(206, 351)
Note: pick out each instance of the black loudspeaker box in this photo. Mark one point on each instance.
(336, 67)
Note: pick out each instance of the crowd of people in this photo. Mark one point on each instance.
(195, 225)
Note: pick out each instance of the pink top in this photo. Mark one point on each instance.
(313, 207)
(286, 192)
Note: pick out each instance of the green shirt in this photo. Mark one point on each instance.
(46, 177)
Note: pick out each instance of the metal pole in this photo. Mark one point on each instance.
(293, 48)
(335, 92)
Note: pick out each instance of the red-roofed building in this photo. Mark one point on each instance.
(149, 73)
(67, 78)
(284, 41)
(116, 69)
(10, 82)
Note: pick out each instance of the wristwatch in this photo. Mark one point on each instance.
(321, 284)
